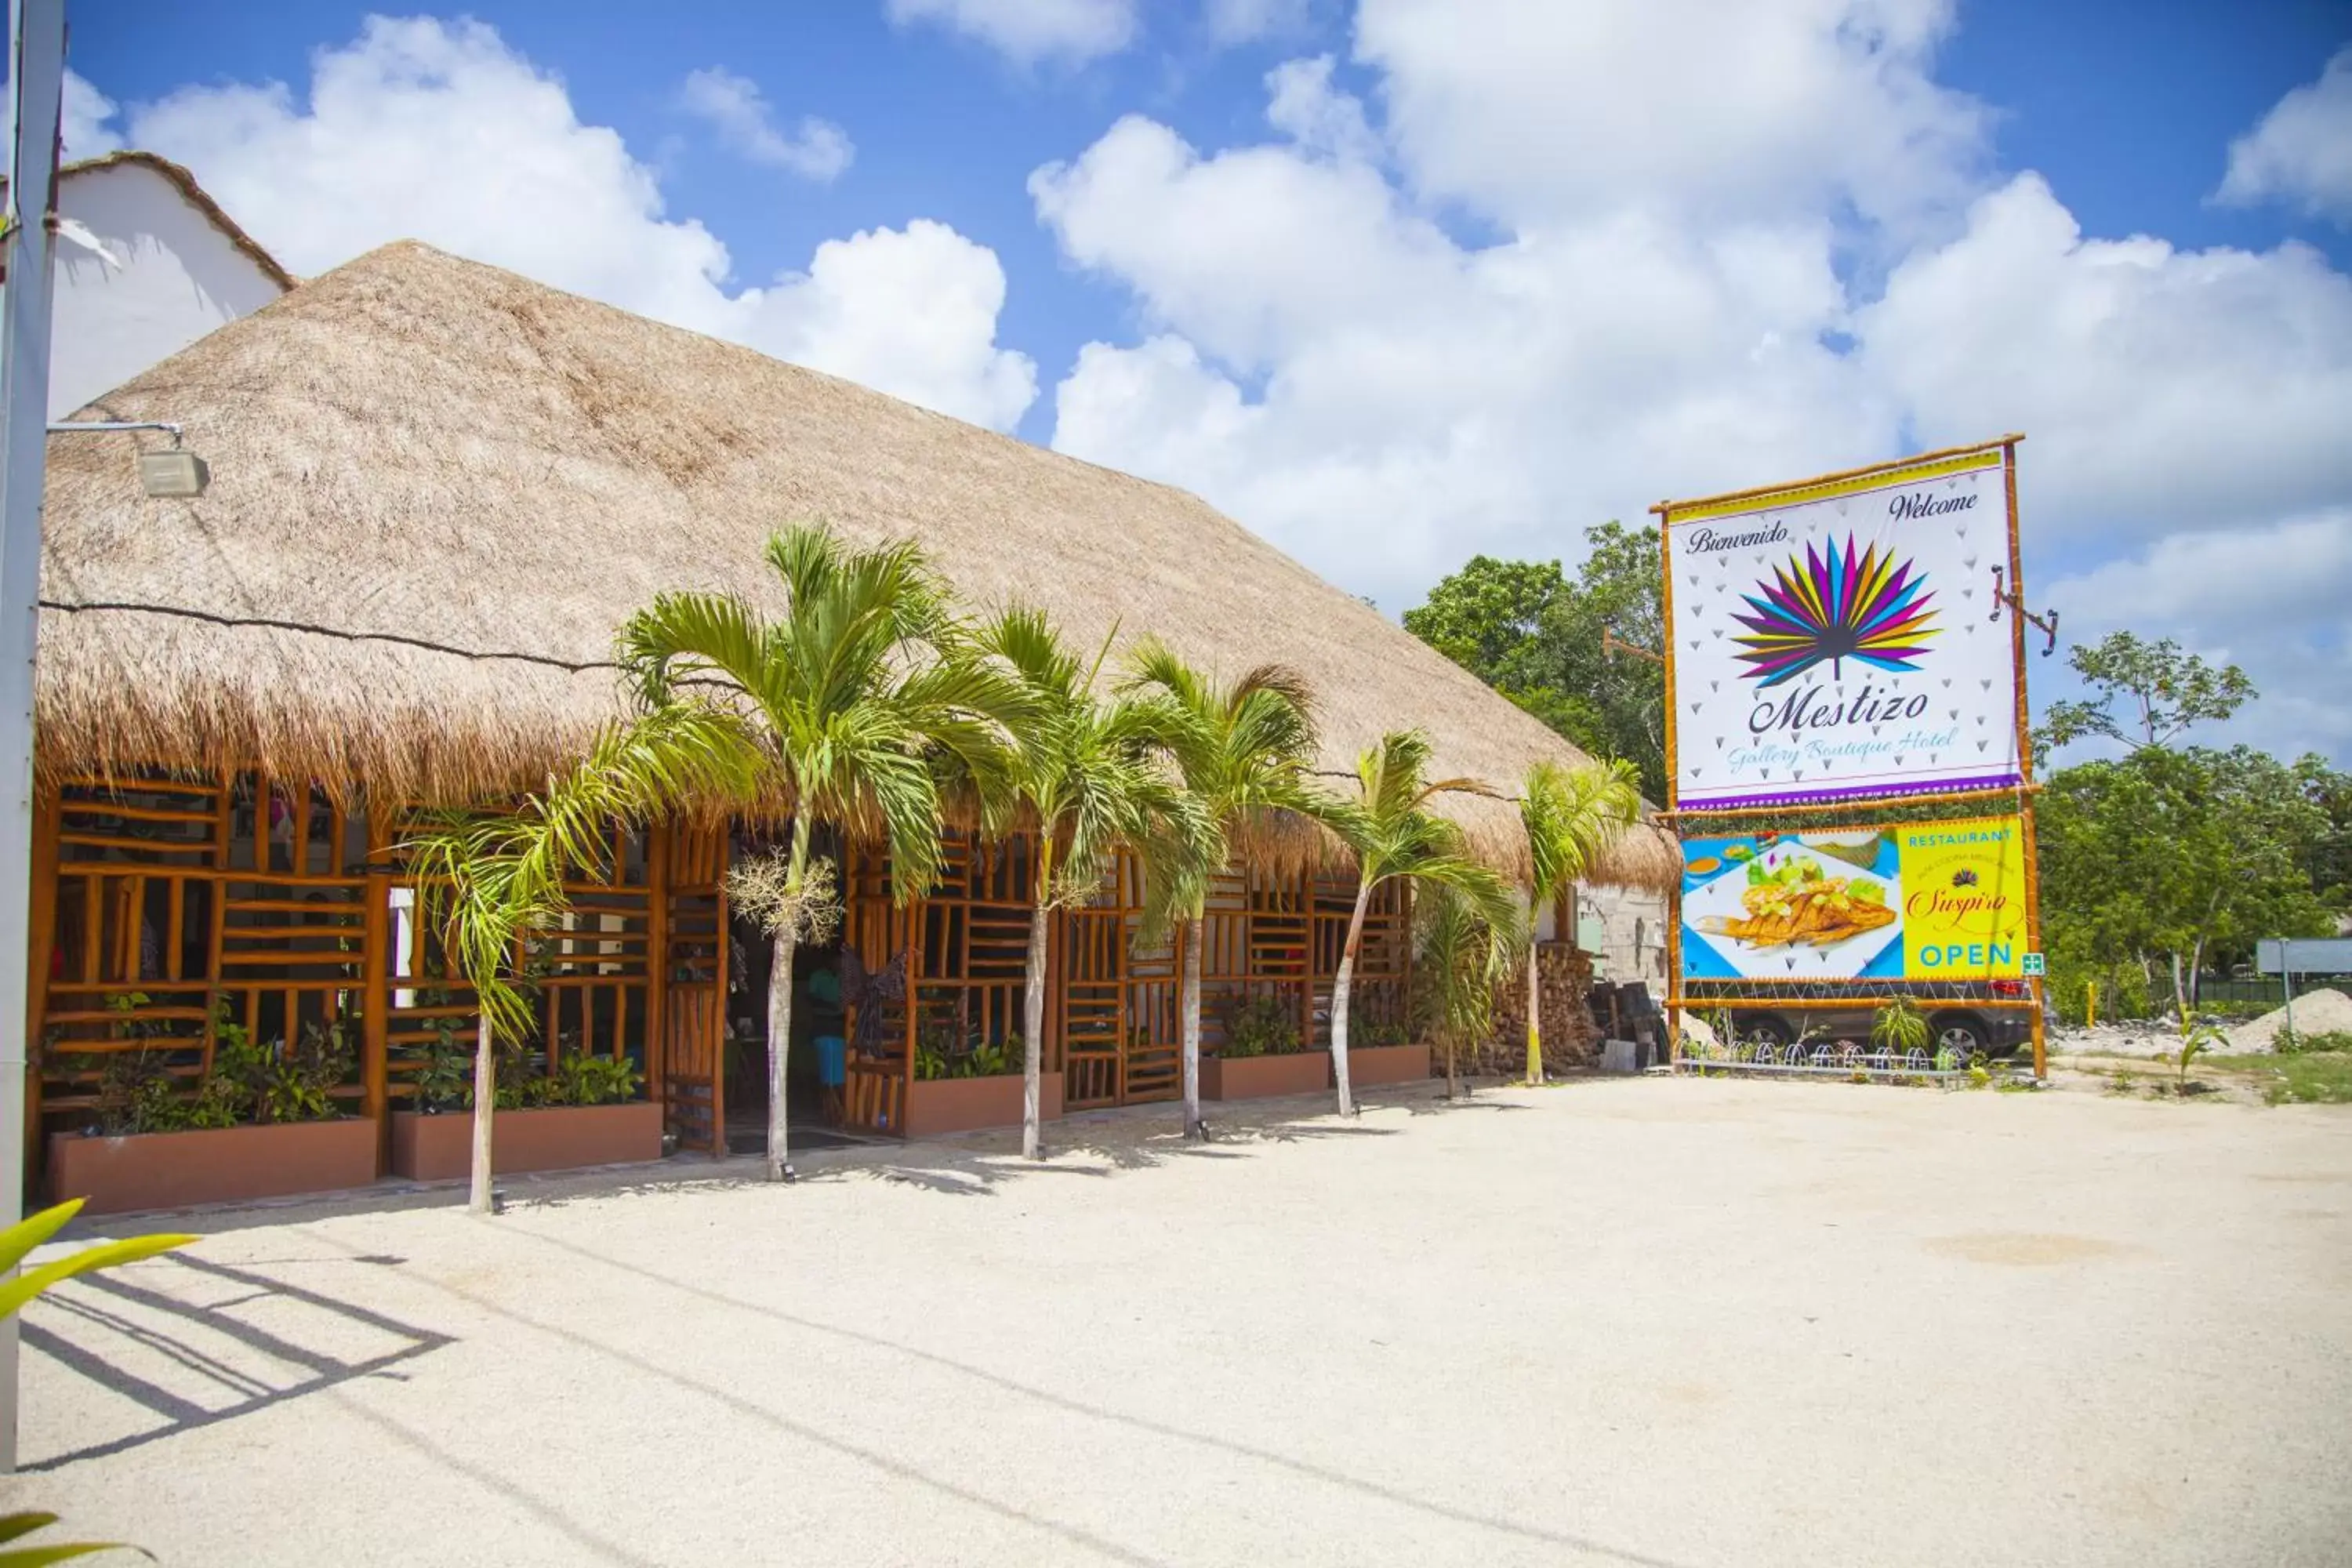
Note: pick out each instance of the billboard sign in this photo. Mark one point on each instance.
(1837, 640)
(1915, 901)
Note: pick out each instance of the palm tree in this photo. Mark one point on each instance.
(1572, 815)
(857, 701)
(1458, 961)
(1394, 834)
(1086, 770)
(1242, 749)
(490, 878)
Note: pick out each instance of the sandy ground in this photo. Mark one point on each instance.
(1628, 1322)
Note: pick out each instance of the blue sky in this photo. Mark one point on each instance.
(1396, 282)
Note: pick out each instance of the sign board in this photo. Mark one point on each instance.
(1837, 641)
(2303, 955)
(2035, 965)
(1918, 901)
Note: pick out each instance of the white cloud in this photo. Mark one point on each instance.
(1420, 400)
(86, 121)
(1306, 108)
(1658, 310)
(734, 107)
(2161, 388)
(439, 132)
(1029, 31)
(912, 310)
(1247, 21)
(2269, 597)
(1534, 112)
(2301, 153)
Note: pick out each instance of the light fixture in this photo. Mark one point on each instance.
(173, 474)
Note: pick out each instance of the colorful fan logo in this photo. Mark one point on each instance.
(1826, 609)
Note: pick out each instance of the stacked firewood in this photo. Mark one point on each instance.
(1571, 1039)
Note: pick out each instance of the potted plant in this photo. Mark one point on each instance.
(1261, 1054)
(264, 1122)
(964, 1083)
(589, 1112)
(1389, 1054)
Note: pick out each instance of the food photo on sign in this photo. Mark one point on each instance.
(1836, 641)
(1929, 901)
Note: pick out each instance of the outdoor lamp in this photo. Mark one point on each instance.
(173, 474)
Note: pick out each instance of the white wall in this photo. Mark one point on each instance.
(1633, 925)
(176, 277)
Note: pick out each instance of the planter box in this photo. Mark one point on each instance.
(226, 1164)
(1253, 1077)
(1387, 1064)
(550, 1138)
(940, 1105)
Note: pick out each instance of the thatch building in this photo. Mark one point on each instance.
(438, 488)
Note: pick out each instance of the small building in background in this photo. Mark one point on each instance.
(146, 264)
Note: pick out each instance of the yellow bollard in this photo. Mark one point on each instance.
(2090, 1004)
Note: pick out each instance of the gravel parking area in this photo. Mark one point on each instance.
(1651, 1322)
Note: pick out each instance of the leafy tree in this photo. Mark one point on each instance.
(1087, 771)
(1459, 960)
(2161, 860)
(1572, 815)
(857, 702)
(1394, 834)
(1242, 749)
(2165, 690)
(490, 878)
(1534, 635)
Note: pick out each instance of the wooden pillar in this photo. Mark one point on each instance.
(1405, 902)
(726, 945)
(375, 1004)
(657, 964)
(42, 908)
(912, 913)
(1309, 956)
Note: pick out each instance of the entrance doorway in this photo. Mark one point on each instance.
(812, 1065)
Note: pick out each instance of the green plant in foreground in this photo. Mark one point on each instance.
(18, 1241)
(2198, 1037)
(1899, 1025)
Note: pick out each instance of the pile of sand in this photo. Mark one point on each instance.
(2318, 1013)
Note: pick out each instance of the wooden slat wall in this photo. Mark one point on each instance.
(165, 901)
(694, 987)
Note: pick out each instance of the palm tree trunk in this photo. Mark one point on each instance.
(780, 1011)
(1033, 1006)
(1449, 1064)
(1189, 1006)
(1341, 983)
(486, 1093)
(1535, 1011)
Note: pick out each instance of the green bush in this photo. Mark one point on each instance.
(1260, 1027)
(2294, 1042)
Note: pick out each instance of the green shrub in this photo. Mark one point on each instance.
(1260, 1027)
(2294, 1042)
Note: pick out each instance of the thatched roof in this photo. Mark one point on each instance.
(444, 456)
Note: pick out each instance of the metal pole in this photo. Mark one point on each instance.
(36, 33)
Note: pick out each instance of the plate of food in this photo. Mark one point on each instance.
(1792, 913)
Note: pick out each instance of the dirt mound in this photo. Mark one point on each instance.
(2318, 1013)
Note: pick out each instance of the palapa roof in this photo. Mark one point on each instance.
(439, 455)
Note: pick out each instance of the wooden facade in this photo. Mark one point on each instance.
(172, 911)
